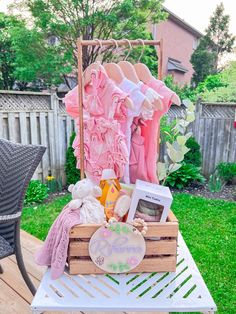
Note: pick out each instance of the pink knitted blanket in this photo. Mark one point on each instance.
(54, 250)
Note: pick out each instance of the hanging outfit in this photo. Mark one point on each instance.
(104, 142)
(138, 98)
(138, 162)
(150, 131)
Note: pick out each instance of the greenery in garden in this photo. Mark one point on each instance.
(36, 192)
(53, 184)
(175, 137)
(207, 226)
(226, 92)
(224, 173)
(72, 173)
(216, 42)
(184, 176)
(193, 156)
(44, 48)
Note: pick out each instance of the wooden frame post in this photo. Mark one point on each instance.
(80, 100)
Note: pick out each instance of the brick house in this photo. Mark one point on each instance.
(179, 41)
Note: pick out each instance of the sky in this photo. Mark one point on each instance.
(195, 12)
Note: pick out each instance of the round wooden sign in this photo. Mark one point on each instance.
(117, 248)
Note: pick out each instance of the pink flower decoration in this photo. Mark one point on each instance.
(132, 261)
(106, 233)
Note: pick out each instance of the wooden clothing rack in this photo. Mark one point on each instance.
(110, 42)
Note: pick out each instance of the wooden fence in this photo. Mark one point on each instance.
(40, 118)
(37, 118)
(214, 131)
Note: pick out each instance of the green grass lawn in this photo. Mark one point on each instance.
(208, 227)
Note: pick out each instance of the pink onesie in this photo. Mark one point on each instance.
(150, 131)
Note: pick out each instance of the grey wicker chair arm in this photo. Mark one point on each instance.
(17, 166)
(13, 217)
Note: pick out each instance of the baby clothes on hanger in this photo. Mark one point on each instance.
(101, 98)
(104, 142)
(137, 97)
(138, 167)
(150, 131)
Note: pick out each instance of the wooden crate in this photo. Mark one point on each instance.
(160, 254)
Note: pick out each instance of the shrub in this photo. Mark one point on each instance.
(193, 156)
(184, 176)
(226, 170)
(215, 184)
(72, 173)
(36, 192)
(185, 92)
(53, 184)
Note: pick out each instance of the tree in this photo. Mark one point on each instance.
(7, 54)
(212, 46)
(217, 34)
(66, 20)
(203, 61)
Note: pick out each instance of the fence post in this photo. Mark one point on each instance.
(54, 136)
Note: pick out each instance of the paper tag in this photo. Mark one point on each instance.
(117, 248)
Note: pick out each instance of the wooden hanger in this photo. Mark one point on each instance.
(176, 100)
(127, 67)
(129, 71)
(143, 72)
(114, 72)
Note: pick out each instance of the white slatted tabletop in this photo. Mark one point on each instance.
(180, 291)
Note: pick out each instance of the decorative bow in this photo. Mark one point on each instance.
(92, 102)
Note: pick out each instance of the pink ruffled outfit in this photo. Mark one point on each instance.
(104, 147)
(54, 250)
(151, 129)
(104, 142)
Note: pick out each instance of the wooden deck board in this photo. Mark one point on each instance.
(15, 297)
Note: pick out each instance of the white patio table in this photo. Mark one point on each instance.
(180, 291)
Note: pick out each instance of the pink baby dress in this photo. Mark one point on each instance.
(150, 131)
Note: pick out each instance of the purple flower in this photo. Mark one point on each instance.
(106, 233)
(132, 261)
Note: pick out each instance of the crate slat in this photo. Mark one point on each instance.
(165, 247)
(163, 264)
(155, 229)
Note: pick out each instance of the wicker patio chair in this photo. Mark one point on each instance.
(17, 165)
